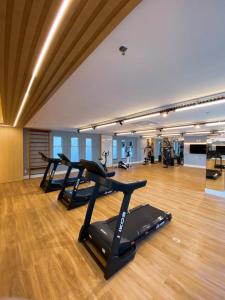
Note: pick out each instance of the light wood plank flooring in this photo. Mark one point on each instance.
(40, 257)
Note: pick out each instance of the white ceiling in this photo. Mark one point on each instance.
(176, 52)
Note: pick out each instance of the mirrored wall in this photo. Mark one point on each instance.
(215, 165)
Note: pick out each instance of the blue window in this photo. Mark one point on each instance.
(123, 149)
(74, 149)
(115, 150)
(57, 146)
(88, 149)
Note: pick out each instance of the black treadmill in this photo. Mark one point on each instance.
(48, 183)
(112, 243)
(78, 197)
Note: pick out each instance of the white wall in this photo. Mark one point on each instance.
(190, 159)
(106, 145)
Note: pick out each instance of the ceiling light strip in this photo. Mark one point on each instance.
(146, 131)
(124, 133)
(215, 123)
(198, 133)
(55, 25)
(86, 129)
(106, 125)
(178, 127)
(200, 105)
(141, 117)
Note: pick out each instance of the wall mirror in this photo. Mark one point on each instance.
(215, 164)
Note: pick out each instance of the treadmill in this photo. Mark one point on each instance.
(75, 197)
(112, 243)
(48, 183)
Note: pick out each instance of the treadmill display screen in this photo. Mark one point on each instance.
(220, 150)
(198, 148)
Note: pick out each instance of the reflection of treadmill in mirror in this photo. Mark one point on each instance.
(112, 243)
(48, 183)
(76, 197)
(212, 174)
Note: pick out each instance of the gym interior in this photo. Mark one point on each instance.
(112, 149)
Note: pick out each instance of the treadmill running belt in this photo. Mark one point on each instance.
(85, 192)
(138, 223)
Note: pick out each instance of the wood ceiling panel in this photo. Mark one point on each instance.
(25, 24)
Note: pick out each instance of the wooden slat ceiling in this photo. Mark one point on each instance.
(24, 26)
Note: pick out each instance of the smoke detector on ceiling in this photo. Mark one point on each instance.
(123, 49)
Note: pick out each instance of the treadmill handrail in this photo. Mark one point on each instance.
(66, 162)
(49, 159)
(125, 187)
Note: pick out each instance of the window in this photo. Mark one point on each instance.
(74, 149)
(123, 149)
(57, 146)
(115, 152)
(88, 149)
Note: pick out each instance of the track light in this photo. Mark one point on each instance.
(197, 132)
(141, 117)
(44, 50)
(215, 123)
(200, 105)
(86, 129)
(106, 125)
(165, 114)
(197, 126)
(177, 127)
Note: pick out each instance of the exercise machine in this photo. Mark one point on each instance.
(48, 183)
(148, 151)
(126, 165)
(167, 153)
(75, 197)
(105, 155)
(112, 243)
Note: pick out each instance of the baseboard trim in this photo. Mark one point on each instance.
(194, 166)
(215, 193)
(132, 163)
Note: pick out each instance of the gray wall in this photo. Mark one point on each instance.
(96, 146)
(198, 160)
(136, 147)
(66, 145)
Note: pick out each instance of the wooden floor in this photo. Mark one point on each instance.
(40, 257)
